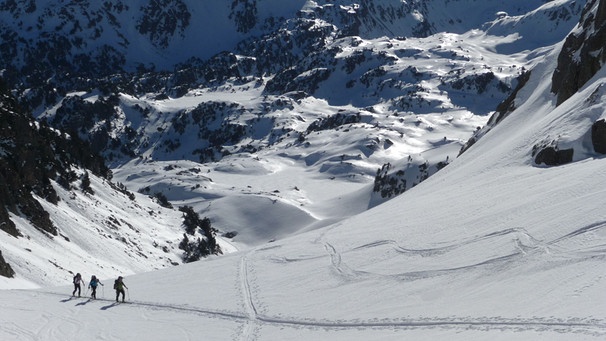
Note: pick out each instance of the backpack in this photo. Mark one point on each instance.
(116, 284)
(76, 279)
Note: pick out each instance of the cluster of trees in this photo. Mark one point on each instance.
(196, 246)
(334, 121)
(389, 184)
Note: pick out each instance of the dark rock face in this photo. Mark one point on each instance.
(479, 82)
(583, 52)
(5, 268)
(508, 105)
(550, 156)
(598, 136)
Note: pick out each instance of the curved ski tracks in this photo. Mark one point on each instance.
(252, 321)
(577, 326)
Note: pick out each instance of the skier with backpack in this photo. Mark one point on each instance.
(94, 282)
(77, 280)
(119, 287)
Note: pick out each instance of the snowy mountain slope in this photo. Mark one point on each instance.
(136, 32)
(321, 134)
(311, 55)
(61, 212)
(492, 246)
(107, 232)
(147, 33)
(408, 137)
(540, 26)
(369, 81)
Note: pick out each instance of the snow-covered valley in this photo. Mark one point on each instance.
(494, 243)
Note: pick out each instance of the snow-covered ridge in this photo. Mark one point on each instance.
(91, 37)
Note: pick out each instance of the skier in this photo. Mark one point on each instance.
(94, 281)
(119, 286)
(77, 281)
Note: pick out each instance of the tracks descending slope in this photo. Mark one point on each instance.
(253, 321)
(251, 310)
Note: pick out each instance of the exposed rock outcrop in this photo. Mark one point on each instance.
(551, 156)
(598, 136)
(5, 269)
(583, 52)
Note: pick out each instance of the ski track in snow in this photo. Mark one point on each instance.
(252, 320)
(518, 236)
(444, 249)
(251, 310)
(337, 264)
(581, 231)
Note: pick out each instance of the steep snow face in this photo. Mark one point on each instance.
(579, 59)
(104, 233)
